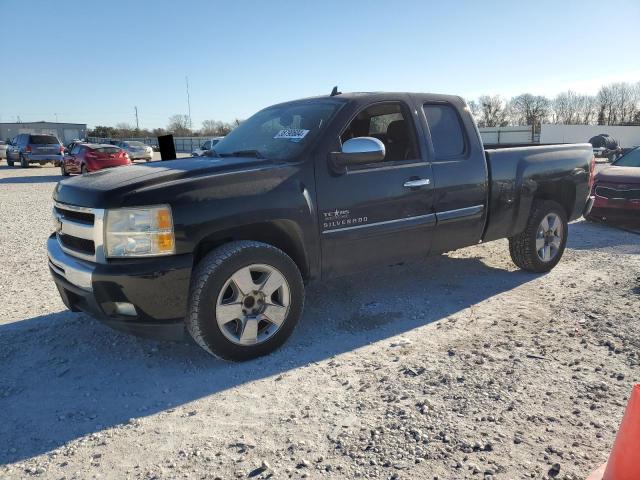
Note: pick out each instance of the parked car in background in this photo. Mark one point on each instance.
(206, 147)
(89, 157)
(28, 148)
(137, 150)
(617, 191)
(3, 149)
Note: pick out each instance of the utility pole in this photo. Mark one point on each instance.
(137, 124)
(188, 102)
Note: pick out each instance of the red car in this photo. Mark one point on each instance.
(88, 157)
(617, 191)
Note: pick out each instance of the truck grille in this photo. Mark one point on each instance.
(618, 193)
(79, 231)
(81, 245)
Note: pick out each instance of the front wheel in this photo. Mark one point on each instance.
(63, 170)
(84, 170)
(541, 245)
(9, 162)
(245, 300)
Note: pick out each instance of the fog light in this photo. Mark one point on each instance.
(124, 308)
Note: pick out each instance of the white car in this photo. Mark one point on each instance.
(3, 149)
(137, 150)
(206, 146)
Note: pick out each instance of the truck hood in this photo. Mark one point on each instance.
(105, 188)
(615, 174)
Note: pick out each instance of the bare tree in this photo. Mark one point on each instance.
(124, 130)
(216, 128)
(618, 103)
(492, 111)
(527, 109)
(589, 109)
(573, 109)
(179, 125)
(474, 108)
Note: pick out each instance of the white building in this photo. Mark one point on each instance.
(64, 131)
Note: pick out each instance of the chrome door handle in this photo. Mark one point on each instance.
(421, 182)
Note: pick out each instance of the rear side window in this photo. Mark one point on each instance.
(446, 130)
(43, 140)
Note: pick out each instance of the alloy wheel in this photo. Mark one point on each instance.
(549, 237)
(253, 304)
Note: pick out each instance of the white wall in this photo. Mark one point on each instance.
(626, 136)
(505, 134)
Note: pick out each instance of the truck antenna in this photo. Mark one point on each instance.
(335, 91)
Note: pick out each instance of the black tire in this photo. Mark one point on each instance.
(23, 162)
(522, 247)
(63, 170)
(211, 275)
(83, 169)
(9, 162)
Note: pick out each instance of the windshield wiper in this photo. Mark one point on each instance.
(243, 153)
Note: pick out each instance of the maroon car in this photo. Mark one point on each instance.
(617, 191)
(88, 157)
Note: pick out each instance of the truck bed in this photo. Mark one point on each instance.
(518, 175)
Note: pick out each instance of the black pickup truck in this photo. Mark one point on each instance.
(307, 189)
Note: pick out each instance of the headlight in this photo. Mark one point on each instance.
(139, 232)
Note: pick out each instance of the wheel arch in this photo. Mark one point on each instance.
(283, 234)
(562, 192)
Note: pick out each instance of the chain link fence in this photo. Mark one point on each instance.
(182, 144)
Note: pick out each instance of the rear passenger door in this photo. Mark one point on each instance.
(460, 175)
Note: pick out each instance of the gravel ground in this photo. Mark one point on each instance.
(459, 367)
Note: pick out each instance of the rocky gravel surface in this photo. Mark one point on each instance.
(459, 367)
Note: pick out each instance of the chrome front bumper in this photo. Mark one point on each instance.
(73, 270)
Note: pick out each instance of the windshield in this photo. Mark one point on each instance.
(279, 132)
(630, 159)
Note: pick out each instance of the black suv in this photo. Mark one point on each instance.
(29, 148)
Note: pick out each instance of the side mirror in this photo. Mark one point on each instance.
(359, 151)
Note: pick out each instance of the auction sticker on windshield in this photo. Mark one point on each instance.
(292, 133)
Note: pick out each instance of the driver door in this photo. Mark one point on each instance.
(380, 213)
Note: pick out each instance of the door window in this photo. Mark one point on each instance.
(389, 123)
(76, 150)
(447, 134)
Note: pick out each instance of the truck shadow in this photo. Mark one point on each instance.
(32, 179)
(64, 375)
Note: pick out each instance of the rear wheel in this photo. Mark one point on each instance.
(245, 300)
(23, 162)
(541, 245)
(63, 170)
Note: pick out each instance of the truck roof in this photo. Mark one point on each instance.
(380, 96)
